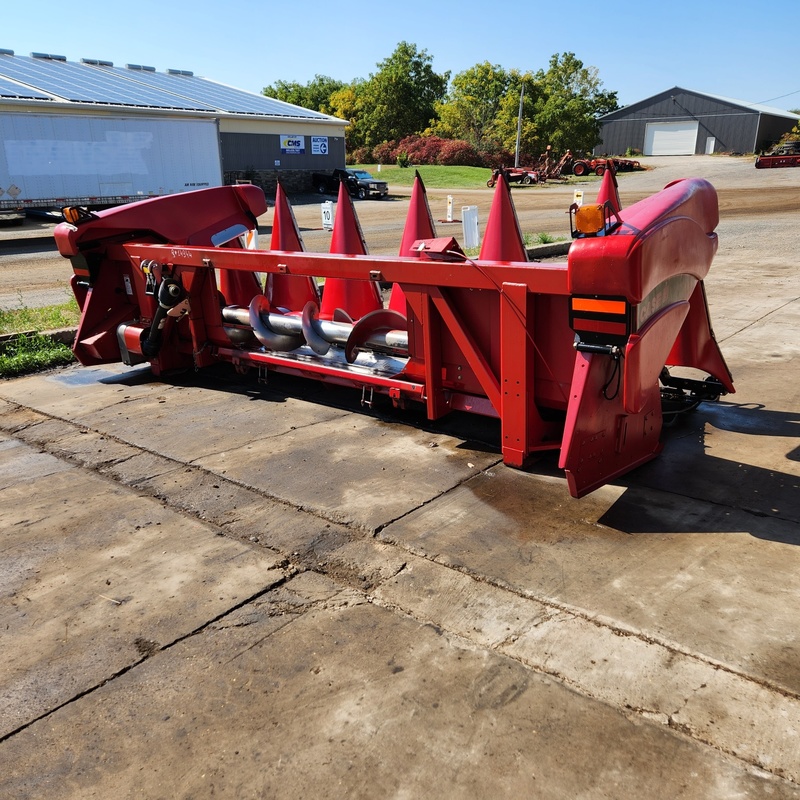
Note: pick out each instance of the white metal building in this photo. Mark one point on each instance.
(258, 138)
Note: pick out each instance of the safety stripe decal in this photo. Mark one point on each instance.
(598, 306)
(600, 320)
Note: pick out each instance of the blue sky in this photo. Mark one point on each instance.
(639, 50)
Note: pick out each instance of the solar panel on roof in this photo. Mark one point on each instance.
(235, 100)
(89, 84)
(99, 82)
(11, 89)
(223, 98)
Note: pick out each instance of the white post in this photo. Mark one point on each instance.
(449, 208)
(469, 223)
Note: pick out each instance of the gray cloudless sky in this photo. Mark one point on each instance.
(638, 49)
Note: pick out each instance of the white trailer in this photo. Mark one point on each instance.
(54, 160)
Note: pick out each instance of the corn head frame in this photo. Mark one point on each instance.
(573, 357)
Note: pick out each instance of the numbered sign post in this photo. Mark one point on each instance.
(327, 215)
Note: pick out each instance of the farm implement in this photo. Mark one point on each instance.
(545, 169)
(783, 155)
(598, 166)
(573, 357)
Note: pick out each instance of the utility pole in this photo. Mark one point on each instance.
(519, 125)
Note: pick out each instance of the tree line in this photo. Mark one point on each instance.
(405, 110)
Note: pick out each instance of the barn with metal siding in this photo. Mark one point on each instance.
(261, 139)
(684, 122)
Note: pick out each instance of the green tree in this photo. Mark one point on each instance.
(472, 104)
(345, 104)
(400, 98)
(570, 104)
(508, 117)
(315, 95)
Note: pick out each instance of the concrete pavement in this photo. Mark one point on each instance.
(213, 587)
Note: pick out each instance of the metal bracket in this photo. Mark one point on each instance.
(364, 401)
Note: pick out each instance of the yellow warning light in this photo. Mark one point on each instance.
(76, 214)
(590, 219)
(71, 214)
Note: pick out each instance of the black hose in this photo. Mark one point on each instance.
(170, 293)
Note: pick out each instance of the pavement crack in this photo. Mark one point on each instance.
(759, 319)
(382, 527)
(148, 649)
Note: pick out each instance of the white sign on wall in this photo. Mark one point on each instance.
(319, 145)
(292, 144)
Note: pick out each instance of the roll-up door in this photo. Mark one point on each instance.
(671, 138)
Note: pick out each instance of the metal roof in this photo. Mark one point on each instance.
(754, 107)
(47, 78)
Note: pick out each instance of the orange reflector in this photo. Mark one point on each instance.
(590, 219)
(71, 214)
(598, 306)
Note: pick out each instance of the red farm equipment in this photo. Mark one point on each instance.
(786, 154)
(547, 168)
(524, 175)
(598, 166)
(571, 357)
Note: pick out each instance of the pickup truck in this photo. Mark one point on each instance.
(358, 181)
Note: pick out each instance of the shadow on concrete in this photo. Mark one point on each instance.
(711, 479)
(687, 489)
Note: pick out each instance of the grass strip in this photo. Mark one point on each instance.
(30, 350)
(32, 353)
(45, 318)
(434, 177)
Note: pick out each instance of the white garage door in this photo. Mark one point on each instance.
(670, 138)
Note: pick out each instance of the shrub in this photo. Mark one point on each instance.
(402, 159)
(422, 149)
(459, 153)
(360, 155)
(497, 157)
(385, 153)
